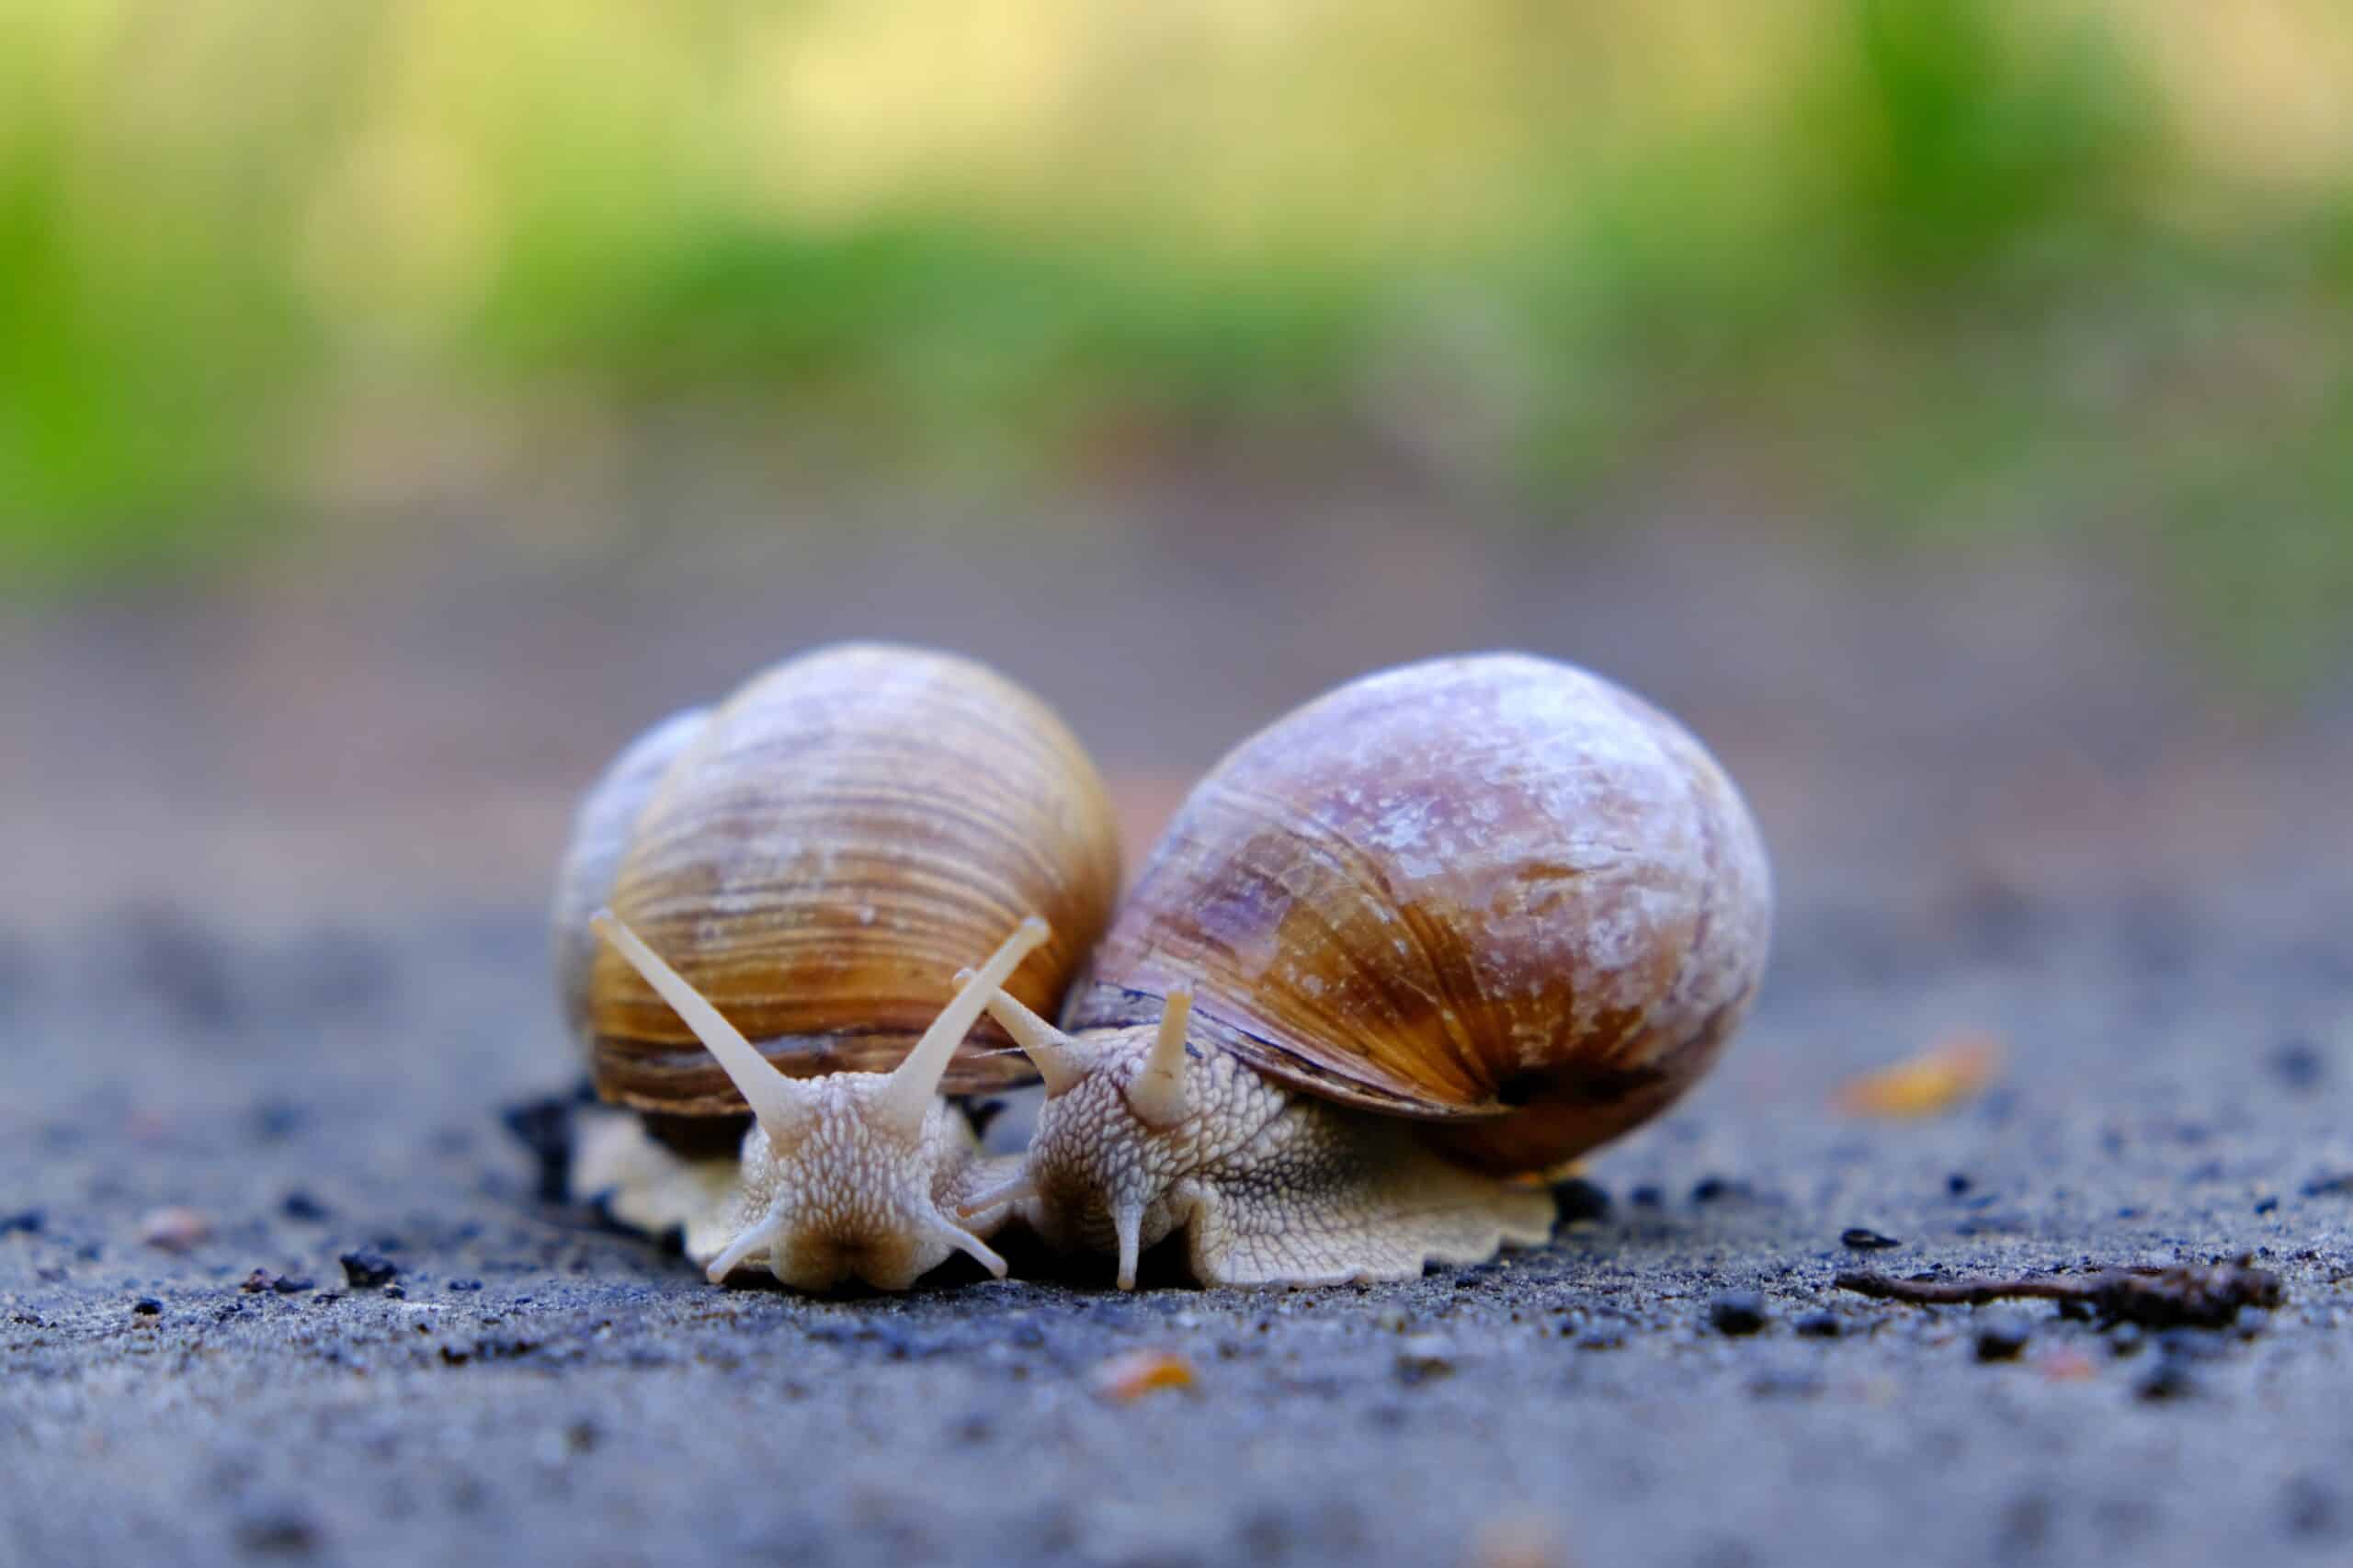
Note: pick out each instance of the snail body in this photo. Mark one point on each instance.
(760, 913)
(1444, 928)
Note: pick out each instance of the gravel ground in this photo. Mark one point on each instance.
(273, 957)
(533, 1387)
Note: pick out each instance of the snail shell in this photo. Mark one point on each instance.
(817, 856)
(1497, 893)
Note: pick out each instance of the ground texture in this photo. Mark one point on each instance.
(540, 1388)
(1674, 1381)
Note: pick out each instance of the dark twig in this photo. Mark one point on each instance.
(2158, 1298)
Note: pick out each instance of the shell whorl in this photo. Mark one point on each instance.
(1495, 892)
(820, 855)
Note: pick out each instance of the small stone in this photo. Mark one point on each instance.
(2338, 1184)
(465, 1285)
(279, 1533)
(1716, 1188)
(2001, 1339)
(2266, 1205)
(1646, 1197)
(1423, 1356)
(301, 1205)
(175, 1228)
(28, 1221)
(544, 1127)
(1957, 1184)
(2298, 1064)
(274, 1120)
(1579, 1201)
(1862, 1240)
(262, 1279)
(2170, 1378)
(147, 1306)
(1819, 1326)
(367, 1270)
(1737, 1313)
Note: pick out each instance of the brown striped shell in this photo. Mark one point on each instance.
(1495, 891)
(818, 856)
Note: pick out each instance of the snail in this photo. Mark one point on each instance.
(1434, 933)
(761, 910)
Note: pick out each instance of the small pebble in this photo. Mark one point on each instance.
(1646, 1197)
(1423, 1356)
(2169, 1378)
(1957, 1184)
(301, 1205)
(1819, 1326)
(147, 1306)
(366, 1270)
(27, 1221)
(176, 1228)
(465, 1284)
(2001, 1339)
(281, 1533)
(1863, 1240)
(1715, 1188)
(1737, 1313)
(2298, 1064)
(1577, 1200)
(2265, 1205)
(262, 1279)
(2338, 1183)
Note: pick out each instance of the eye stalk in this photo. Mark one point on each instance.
(854, 1172)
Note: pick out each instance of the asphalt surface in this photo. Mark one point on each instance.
(533, 1387)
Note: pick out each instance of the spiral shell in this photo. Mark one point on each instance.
(818, 856)
(1497, 893)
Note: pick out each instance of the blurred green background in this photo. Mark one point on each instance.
(1937, 271)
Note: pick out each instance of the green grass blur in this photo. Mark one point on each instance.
(1956, 268)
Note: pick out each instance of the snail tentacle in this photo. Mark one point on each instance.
(777, 1101)
(1060, 1060)
(915, 1083)
(849, 1174)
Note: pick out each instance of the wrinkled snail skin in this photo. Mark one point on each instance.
(760, 912)
(1431, 935)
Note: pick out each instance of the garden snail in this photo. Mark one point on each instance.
(816, 857)
(1449, 925)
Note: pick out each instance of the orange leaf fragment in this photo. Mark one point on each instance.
(1955, 1069)
(2067, 1366)
(1132, 1374)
